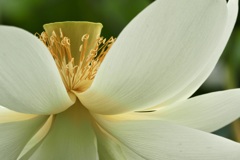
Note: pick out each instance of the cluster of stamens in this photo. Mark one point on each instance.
(77, 76)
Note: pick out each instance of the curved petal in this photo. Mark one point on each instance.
(108, 147)
(37, 138)
(130, 154)
(30, 81)
(163, 140)
(111, 149)
(71, 137)
(203, 75)
(157, 55)
(207, 112)
(15, 135)
(7, 115)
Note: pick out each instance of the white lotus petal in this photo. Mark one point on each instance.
(191, 87)
(196, 83)
(28, 155)
(7, 115)
(42, 132)
(15, 135)
(30, 81)
(157, 55)
(108, 147)
(70, 137)
(208, 112)
(163, 140)
(130, 154)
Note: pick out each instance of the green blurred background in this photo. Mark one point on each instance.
(114, 15)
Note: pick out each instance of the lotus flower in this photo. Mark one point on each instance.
(74, 95)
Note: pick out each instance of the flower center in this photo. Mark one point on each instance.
(77, 75)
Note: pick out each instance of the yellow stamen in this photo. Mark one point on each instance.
(76, 76)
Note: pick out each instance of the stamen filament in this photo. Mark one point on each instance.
(76, 77)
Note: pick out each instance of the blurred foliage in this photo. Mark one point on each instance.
(114, 15)
(32, 14)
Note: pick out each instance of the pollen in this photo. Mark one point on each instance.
(77, 75)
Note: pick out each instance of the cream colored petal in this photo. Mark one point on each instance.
(195, 84)
(7, 115)
(71, 137)
(30, 81)
(163, 140)
(207, 112)
(157, 55)
(191, 87)
(38, 137)
(109, 148)
(130, 154)
(15, 135)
